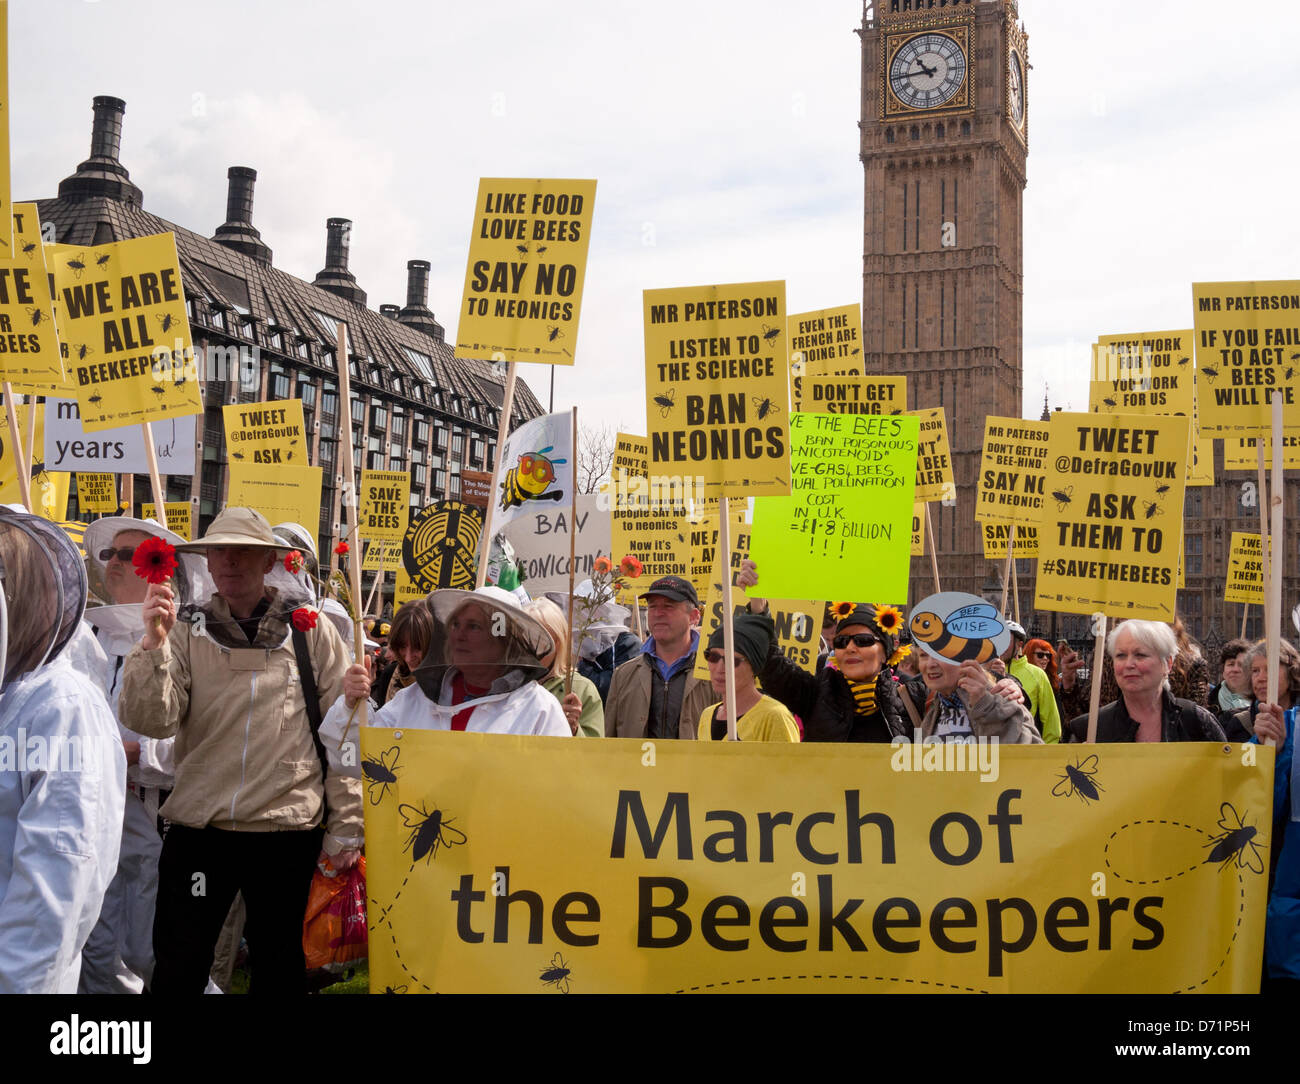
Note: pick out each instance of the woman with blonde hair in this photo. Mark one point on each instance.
(582, 705)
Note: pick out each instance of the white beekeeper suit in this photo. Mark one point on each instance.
(62, 768)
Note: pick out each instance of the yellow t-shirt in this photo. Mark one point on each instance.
(768, 720)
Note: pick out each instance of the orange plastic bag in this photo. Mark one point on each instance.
(334, 927)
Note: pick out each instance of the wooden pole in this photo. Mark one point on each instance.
(1098, 661)
(1245, 613)
(728, 630)
(1263, 530)
(1006, 577)
(155, 479)
(350, 507)
(22, 468)
(934, 557)
(128, 494)
(1276, 498)
(503, 431)
(573, 543)
(1015, 589)
(31, 432)
(636, 609)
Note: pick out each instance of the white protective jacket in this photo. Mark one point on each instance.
(509, 709)
(60, 829)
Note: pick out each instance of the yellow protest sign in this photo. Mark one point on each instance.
(29, 346)
(1247, 347)
(1012, 471)
(844, 868)
(1239, 453)
(527, 263)
(997, 536)
(1245, 570)
(439, 547)
(382, 557)
(1142, 354)
(850, 394)
(704, 536)
(918, 530)
(648, 517)
(1201, 470)
(282, 494)
(96, 492)
(178, 517)
(717, 397)
(827, 335)
(934, 480)
(385, 504)
(266, 432)
(49, 489)
(1110, 538)
(122, 320)
(849, 513)
(405, 591)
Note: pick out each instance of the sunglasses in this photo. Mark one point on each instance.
(125, 553)
(1041, 654)
(715, 656)
(858, 639)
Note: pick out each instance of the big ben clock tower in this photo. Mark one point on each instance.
(945, 136)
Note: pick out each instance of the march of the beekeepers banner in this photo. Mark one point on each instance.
(295, 724)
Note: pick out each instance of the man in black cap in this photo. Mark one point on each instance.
(656, 695)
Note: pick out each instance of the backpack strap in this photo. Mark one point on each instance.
(312, 695)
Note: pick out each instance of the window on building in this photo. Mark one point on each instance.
(1193, 549)
(475, 452)
(280, 385)
(329, 402)
(421, 434)
(457, 445)
(439, 482)
(306, 392)
(399, 424)
(378, 417)
(439, 438)
(419, 474)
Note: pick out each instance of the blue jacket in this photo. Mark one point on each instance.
(1282, 934)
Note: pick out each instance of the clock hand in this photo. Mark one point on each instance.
(928, 71)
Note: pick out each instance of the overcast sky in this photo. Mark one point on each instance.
(723, 136)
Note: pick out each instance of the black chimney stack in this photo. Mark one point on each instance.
(237, 231)
(417, 313)
(102, 174)
(335, 277)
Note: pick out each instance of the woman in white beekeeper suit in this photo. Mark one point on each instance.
(118, 957)
(479, 674)
(62, 767)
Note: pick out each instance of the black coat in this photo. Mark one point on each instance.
(1183, 721)
(825, 705)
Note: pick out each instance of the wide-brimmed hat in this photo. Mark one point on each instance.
(238, 527)
(100, 533)
(524, 626)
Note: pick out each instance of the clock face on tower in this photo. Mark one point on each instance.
(927, 71)
(1016, 91)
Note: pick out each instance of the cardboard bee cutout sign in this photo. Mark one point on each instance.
(954, 627)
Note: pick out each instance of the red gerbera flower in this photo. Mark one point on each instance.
(341, 548)
(601, 566)
(304, 618)
(630, 567)
(155, 560)
(293, 562)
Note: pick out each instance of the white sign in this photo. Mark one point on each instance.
(120, 451)
(540, 537)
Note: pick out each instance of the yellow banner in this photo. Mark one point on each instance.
(849, 394)
(827, 335)
(1239, 453)
(918, 530)
(1245, 570)
(49, 489)
(266, 432)
(96, 492)
(121, 313)
(717, 399)
(715, 867)
(29, 346)
(385, 505)
(1110, 539)
(1247, 347)
(934, 480)
(178, 517)
(1012, 471)
(281, 494)
(997, 536)
(527, 263)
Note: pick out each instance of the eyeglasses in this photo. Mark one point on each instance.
(858, 639)
(715, 656)
(125, 553)
(1041, 654)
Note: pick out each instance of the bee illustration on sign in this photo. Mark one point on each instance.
(764, 406)
(158, 390)
(1161, 490)
(770, 334)
(1080, 779)
(37, 316)
(77, 265)
(1152, 509)
(102, 260)
(666, 401)
(29, 247)
(1210, 374)
(1108, 401)
(955, 627)
(1183, 361)
(429, 831)
(522, 249)
(1234, 841)
(557, 974)
(166, 321)
(96, 399)
(1063, 497)
(380, 774)
(531, 480)
(83, 351)
(554, 332)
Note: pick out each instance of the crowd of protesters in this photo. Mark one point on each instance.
(212, 713)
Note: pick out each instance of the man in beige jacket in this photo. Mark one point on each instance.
(246, 811)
